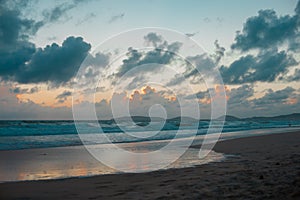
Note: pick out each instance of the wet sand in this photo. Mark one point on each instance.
(259, 167)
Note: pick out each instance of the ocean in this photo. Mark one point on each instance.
(15, 135)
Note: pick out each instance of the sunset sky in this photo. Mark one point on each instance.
(254, 44)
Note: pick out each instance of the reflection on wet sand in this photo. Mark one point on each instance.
(55, 163)
(63, 162)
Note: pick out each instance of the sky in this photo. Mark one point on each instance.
(52, 50)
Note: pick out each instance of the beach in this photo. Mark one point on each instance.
(258, 167)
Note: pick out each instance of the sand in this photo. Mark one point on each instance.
(259, 167)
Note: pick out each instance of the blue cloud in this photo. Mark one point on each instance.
(267, 30)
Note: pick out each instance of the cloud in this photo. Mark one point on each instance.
(98, 60)
(219, 20)
(153, 38)
(207, 20)
(202, 63)
(19, 90)
(265, 32)
(22, 62)
(297, 9)
(267, 29)
(63, 96)
(136, 82)
(196, 67)
(265, 67)
(52, 38)
(199, 95)
(219, 52)
(140, 102)
(191, 34)
(14, 109)
(238, 96)
(242, 102)
(55, 64)
(11, 61)
(56, 13)
(275, 97)
(295, 76)
(162, 54)
(116, 17)
(87, 17)
(15, 30)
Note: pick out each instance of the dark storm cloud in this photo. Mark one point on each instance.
(13, 60)
(14, 30)
(22, 62)
(15, 49)
(116, 17)
(265, 32)
(265, 67)
(268, 29)
(54, 63)
(297, 9)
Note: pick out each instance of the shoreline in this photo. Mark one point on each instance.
(266, 167)
(76, 162)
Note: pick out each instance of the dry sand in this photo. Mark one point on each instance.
(260, 167)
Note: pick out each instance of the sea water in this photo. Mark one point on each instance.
(16, 135)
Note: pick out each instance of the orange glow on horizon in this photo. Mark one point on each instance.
(46, 98)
